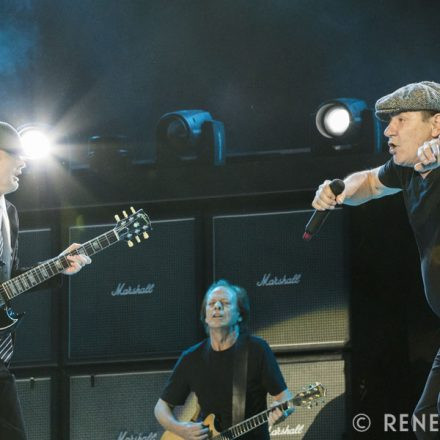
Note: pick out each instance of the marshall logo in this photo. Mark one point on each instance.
(124, 435)
(123, 290)
(269, 280)
(287, 430)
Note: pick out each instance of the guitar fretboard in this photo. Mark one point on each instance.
(251, 423)
(38, 274)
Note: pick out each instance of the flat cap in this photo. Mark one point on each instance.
(10, 140)
(424, 95)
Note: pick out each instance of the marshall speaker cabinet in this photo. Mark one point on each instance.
(35, 398)
(34, 343)
(118, 406)
(298, 290)
(327, 417)
(135, 302)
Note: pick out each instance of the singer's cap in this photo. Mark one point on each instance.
(420, 96)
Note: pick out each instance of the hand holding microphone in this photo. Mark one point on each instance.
(328, 195)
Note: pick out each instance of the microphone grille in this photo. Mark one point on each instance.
(337, 186)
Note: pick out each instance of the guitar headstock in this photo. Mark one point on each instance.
(130, 227)
(310, 395)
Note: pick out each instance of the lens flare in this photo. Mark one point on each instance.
(36, 143)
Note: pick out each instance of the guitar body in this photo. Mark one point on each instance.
(304, 398)
(8, 320)
(168, 435)
(209, 422)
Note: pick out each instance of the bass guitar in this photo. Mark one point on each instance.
(129, 228)
(305, 398)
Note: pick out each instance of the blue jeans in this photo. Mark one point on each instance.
(429, 404)
(11, 418)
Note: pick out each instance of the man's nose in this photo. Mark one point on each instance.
(218, 305)
(389, 130)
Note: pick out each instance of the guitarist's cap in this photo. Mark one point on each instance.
(10, 140)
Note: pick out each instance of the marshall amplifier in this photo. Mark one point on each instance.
(135, 302)
(118, 406)
(34, 343)
(298, 290)
(327, 417)
(35, 398)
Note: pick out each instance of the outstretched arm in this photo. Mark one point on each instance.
(360, 187)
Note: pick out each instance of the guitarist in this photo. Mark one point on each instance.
(207, 369)
(11, 165)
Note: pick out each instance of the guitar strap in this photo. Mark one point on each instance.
(239, 379)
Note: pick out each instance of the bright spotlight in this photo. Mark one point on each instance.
(336, 121)
(346, 124)
(341, 117)
(36, 142)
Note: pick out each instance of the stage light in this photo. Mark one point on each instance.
(335, 121)
(346, 124)
(190, 135)
(36, 141)
(341, 117)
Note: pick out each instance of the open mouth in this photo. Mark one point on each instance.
(392, 147)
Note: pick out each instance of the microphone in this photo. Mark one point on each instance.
(319, 217)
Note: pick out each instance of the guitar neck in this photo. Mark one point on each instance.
(38, 274)
(252, 422)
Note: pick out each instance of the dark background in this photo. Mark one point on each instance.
(262, 67)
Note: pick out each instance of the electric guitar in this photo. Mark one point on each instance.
(305, 398)
(127, 228)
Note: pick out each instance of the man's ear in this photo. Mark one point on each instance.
(435, 125)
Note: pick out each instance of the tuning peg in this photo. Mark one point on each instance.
(130, 243)
(138, 239)
(145, 235)
(125, 214)
(133, 211)
(117, 218)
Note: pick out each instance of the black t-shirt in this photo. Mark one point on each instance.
(208, 374)
(422, 201)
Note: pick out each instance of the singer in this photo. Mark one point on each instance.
(413, 116)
